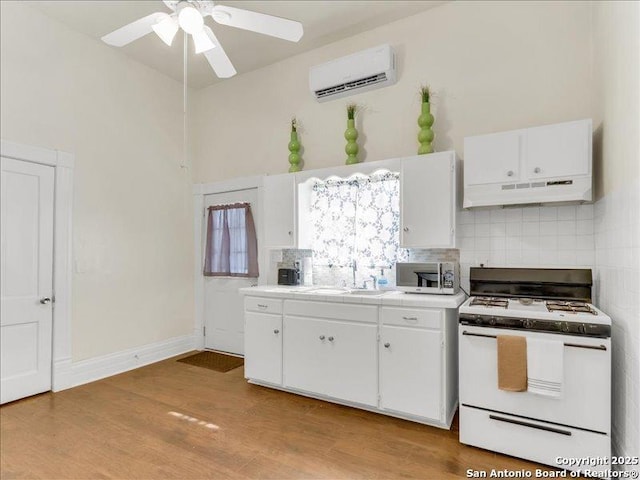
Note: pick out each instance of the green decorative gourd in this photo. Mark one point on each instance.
(351, 135)
(294, 148)
(425, 121)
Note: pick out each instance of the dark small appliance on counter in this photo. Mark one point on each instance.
(288, 276)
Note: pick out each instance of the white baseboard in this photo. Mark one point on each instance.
(93, 369)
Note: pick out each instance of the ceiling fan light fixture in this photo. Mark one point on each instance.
(190, 19)
(202, 41)
(166, 29)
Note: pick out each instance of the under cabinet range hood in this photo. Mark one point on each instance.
(540, 165)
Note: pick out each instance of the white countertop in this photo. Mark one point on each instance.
(339, 295)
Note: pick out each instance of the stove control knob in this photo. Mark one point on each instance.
(582, 329)
(492, 321)
(478, 319)
(565, 327)
(529, 323)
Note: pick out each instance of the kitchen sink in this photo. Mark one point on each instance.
(329, 291)
(365, 291)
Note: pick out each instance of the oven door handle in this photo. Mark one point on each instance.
(574, 345)
(530, 425)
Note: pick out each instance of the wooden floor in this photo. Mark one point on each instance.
(174, 420)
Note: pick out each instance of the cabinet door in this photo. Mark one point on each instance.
(561, 150)
(493, 158)
(427, 201)
(305, 354)
(411, 371)
(352, 362)
(279, 210)
(263, 347)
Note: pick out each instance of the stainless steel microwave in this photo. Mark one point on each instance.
(436, 278)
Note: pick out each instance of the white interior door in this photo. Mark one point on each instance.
(26, 314)
(223, 305)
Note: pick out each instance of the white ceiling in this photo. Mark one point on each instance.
(324, 22)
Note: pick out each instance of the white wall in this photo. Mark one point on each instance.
(493, 66)
(617, 213)
(132, 213)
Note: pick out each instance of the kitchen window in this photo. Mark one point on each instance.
(357, 219)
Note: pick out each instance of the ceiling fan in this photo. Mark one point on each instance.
(190, 14)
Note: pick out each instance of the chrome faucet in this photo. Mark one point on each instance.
(373, 281)
(354, 269)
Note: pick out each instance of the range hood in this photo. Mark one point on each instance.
(551, 164)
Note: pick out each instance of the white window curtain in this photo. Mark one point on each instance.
(357, 219)
(232, 247)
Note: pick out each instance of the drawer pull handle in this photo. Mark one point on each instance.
(321, 337)
(530, 425)
(260, 305)
(574, 345)
(387, 345)
(276, 331)
(410, 319)
(330, 339)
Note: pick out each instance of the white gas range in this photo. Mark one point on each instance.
(567, 414)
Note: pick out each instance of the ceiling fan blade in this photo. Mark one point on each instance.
(258, 22)
(217, 57)
(134, 30)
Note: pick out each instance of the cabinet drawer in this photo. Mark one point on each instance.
(530, 439)
(263, 305)
(332, 311)
(412, 317)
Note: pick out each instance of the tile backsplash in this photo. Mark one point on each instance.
(526, 237)
(547, 236)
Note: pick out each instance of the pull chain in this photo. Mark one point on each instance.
(184, 103)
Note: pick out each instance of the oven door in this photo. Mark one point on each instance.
(585, 401)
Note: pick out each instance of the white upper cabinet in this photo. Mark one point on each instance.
(428, 201)
(561, 150)
(279, 214)
(547, 164)
(493, 158)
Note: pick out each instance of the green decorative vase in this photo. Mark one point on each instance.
(426, 135)
(351, 135)
(294, 156)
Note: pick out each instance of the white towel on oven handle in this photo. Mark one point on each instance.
(545, 366)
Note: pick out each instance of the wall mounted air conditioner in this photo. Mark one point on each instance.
(366, 70)
(540, 165)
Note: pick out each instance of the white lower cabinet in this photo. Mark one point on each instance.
(411, 371)
(392, 360)
(263, 347)
(332, 358)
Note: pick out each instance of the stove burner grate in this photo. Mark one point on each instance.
(489, 302)
(570, 307)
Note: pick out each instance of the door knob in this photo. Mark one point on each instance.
(321, 337)
(330, 339)
(510, 173)
(387, 345)
(45, 300)
(537, 170)
(406, 229)
(276, 331)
